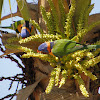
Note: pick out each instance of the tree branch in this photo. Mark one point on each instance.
(8, 96)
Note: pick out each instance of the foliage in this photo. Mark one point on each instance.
(75, 26)
(23, 9)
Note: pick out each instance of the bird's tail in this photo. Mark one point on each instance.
(92, 46)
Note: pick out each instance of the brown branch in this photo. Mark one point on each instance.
(13, 15)
(14, 78)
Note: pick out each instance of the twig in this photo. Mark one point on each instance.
(11, 85)
(14, 78)
(13, 59)
(8, 96)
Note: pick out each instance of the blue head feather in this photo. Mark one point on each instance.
(51, 45)
(24, 33)
(25, 29)
(43, 47)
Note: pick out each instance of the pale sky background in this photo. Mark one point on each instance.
(9, 68)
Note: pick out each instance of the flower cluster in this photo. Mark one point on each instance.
(41, 38)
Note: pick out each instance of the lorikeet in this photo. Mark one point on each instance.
(63, 47)
(22, 27)
(26, 29)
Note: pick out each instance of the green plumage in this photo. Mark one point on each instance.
(63, 47)
(21, 22)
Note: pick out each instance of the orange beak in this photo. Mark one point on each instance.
(39, 51)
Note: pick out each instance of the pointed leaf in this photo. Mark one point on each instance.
(81, 6)
(24, 93)
(22, 5)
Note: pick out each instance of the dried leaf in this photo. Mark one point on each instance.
(24, 93)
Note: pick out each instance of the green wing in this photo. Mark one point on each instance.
(63, 47)
(18, 25)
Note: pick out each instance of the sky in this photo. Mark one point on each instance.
(10, 68)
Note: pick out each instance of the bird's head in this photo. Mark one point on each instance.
(45, 47)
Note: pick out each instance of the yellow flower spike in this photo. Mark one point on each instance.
(56, 59)
(25, 49)
(69, 68)
(58, 69)
(83, 90)
(66, 58)
(50, 85)
(35, 55)
(78, 59)
(80, 53)
(81, 85)
(51, 82)
(53, 64)
(90, 55)
(87, 73)
(38, 37)
(91, 62)
(62, 82)
(90, 75)
(44, 57)
(75, 38)
(68, 64)
(71, 62)
(64, 76)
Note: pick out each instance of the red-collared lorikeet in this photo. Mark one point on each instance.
(23, 27)
(63, 47)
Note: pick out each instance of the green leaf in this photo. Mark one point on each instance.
(81, 7)
(22, 5)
